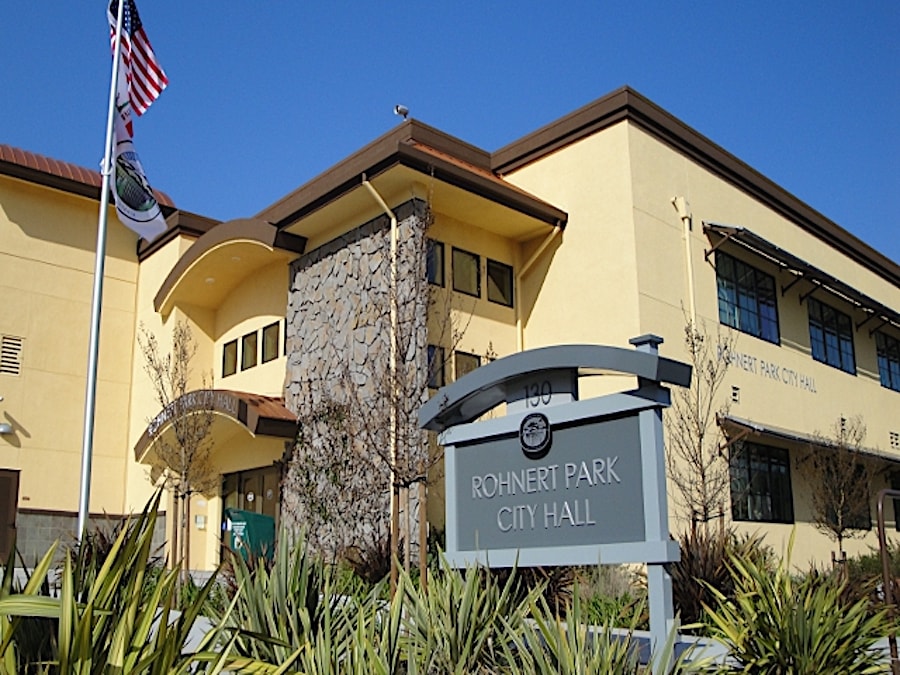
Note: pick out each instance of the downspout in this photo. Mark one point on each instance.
(684, 212)
(395, 510)
(523, 270)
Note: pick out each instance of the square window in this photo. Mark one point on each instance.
(229, 358)
(831, 336)
(248, 350)
(746, 298)
(761, 484)
(887, 350)
(500, 283)
(466, 272)
(465, 363)
(271, 334)
(434, 262)
(435, 367)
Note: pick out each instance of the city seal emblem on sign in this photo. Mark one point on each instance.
(535, 436)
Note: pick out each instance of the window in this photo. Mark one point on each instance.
(466, 272)
(746, 298)
(831, 336)
(888, 350)
(435, 367)
(466, 363)
(434, 262)
(761, 484)
(229, 358)
(500, 283)
(270, 336)
(248, 350)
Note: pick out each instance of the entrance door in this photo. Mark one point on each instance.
(9, 500)
(255, 490)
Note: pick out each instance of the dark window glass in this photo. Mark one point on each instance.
(895, 485)
(271, 334)
(229, 358)
(466, 272)
(831, 336)
(465, 363)
(500, 283)
(761, 484)
(888, 350)
(746, 298)
(248, 350)
(435, 367)
(434, 262)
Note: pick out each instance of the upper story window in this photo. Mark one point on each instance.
(229, 358)
(248, 350)
(499, 283)
(270, 338)
(465, 363)
(746, 298)
(466, 272)
(435, 367)
(761, 484)
(831, 336)
(888, 350)
(434, 262)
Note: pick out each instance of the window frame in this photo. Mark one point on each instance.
(750, 465)
(227, 372)
(747, 298)
(245, 340)
(267, 356)
(887, 353)
(477, 260)
(461, 356)
(436, 369)
(825, 321)
(434, 262)
(506, 270)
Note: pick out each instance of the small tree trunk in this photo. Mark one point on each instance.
(186, 539)
(175, 552)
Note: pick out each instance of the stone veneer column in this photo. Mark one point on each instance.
(338, 346)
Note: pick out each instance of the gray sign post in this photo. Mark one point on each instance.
(558, 480)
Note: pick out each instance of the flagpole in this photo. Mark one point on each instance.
(90, 398)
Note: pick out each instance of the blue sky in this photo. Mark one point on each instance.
(267, 94)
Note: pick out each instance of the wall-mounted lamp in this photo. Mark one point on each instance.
(5, 428)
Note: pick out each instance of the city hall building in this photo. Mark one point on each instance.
(614, 221)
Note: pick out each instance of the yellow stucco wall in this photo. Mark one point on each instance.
(46, 282)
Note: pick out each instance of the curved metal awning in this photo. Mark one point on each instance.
(233, 411)
(221, 259)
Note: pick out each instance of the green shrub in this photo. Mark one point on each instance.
(777, 624)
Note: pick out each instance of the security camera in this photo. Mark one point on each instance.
(401, 110)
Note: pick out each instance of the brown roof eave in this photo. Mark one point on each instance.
(397, 147)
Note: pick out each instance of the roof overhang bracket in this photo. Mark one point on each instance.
(797, 279)
(725, 238)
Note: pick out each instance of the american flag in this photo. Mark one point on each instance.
(145, 77)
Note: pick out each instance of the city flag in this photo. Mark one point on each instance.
(139, 82)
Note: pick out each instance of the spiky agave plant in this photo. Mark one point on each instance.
(114, 625)
(778, 624)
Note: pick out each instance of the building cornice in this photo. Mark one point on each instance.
(625, 104)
